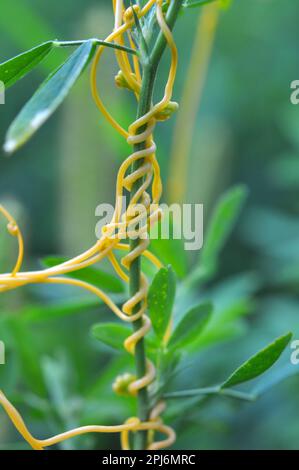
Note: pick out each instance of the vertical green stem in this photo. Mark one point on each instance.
(144, 105)
(135, 271)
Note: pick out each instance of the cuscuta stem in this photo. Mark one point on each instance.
(89, 257)
(145, 103)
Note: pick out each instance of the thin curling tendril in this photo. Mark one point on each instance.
(148, 174)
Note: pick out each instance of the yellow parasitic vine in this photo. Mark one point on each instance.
(120, 227)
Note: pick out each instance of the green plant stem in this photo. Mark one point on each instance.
(145, 102)
(98, 42)
(211, 391)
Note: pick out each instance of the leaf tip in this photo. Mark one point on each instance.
(10, 146)
(288, 336)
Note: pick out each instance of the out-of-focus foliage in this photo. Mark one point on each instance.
(58, 373)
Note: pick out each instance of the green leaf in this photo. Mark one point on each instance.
(221, 224)
(160, 300)
(48, 97)
(16, 68)
(141, 39)
(90, 274)
(258, 363)
(191, 326)
(111, 334)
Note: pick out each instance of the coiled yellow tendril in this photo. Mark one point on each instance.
(120, 227)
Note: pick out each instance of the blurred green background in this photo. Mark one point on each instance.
(246, 132)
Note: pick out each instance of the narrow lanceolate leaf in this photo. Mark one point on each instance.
(48, 97)
(94, 276)
(160, 300)
(191, 326)
(111, 334)
(258, 363)
(223, 220)
(16, 68)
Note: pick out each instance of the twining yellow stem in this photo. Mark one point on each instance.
(133, 424)
(190, 101)
(14, 230)
(120, 227)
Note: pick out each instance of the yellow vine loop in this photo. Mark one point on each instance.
(14, 230)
